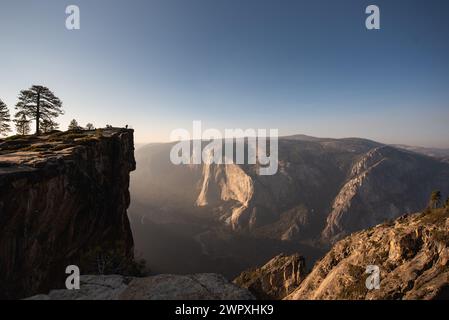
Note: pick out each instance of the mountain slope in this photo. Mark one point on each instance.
(384, 183)
(412, 254)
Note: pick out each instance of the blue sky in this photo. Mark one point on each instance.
(301, 66)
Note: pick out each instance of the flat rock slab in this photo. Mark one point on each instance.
(205, 286)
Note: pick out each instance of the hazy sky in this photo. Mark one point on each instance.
(301, 66)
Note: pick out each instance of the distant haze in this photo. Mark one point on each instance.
(300, 66)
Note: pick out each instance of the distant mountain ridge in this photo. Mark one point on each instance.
(438, 153)
(336, 185)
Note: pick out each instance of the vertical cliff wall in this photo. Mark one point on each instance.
(60, 195)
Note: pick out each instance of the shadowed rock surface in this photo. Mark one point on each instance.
(276, 279)
(206, 286)
(411, 252)
(61, 194)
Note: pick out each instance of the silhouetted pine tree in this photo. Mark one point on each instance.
(73, 126)
(435, 199)
(90, 126)
(5, 119)
(22, 124)
(48, 125)
(39, 103)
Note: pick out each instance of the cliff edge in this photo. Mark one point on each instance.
(60, 195)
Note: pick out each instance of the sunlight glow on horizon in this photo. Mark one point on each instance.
(302, 67)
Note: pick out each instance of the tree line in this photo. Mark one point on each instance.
(38, 104)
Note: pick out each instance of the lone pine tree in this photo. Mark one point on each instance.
(38, 103)
(73, 125)
(22, 124)
(435, 199)
(5, 119)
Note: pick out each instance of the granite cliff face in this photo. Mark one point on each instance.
(276, 279)
(229, 184)
(412, 254)
(383, 184)
(61, 194)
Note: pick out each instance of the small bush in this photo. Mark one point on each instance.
(434, 215)
(110, 258)
(99, 132)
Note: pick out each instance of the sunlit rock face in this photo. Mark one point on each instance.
(276, 279)
(382, 184)
(60, 194)
(411, 254)
(226, 183)
(324, 188)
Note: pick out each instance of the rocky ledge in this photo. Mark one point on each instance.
(276, 279)
(412, 254)
(206, 286)
(61, 194)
